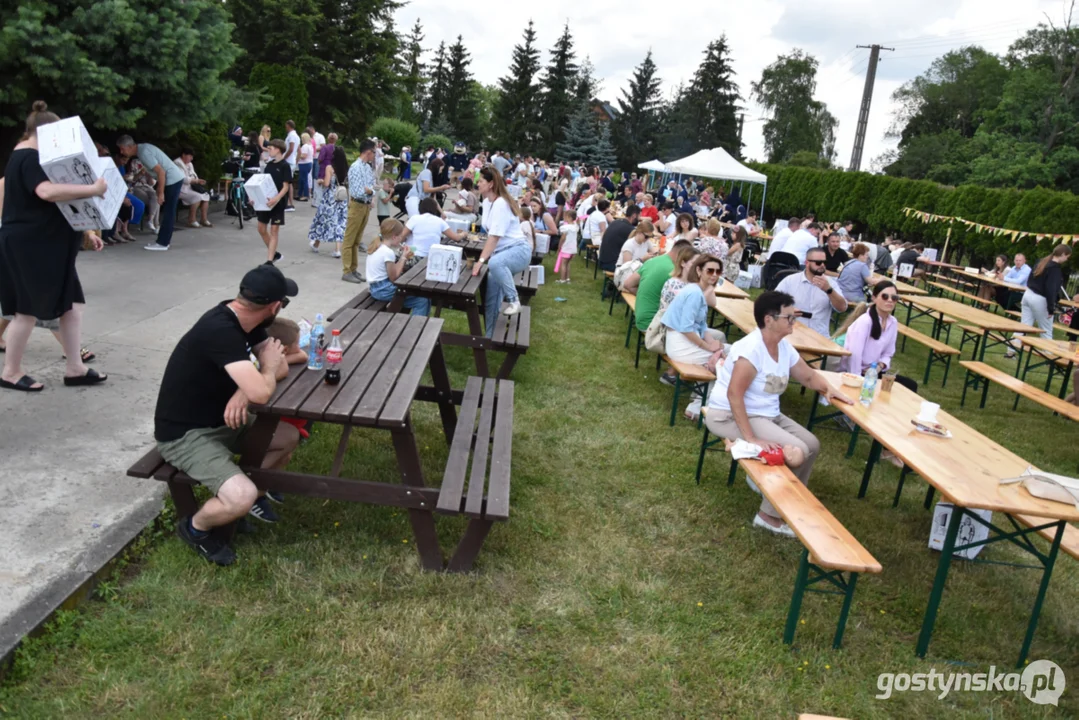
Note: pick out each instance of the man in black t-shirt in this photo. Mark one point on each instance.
(614, 238)
(834, 256)
(270, 221)
(201, 416)
(910, 257)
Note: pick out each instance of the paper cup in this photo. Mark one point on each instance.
(929, 411)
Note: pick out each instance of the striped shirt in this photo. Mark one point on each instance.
(361, 177)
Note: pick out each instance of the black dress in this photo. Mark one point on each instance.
(37, 246)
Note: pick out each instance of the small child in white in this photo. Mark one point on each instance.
(384, 266)
(567, 246)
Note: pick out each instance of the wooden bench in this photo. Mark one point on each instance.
(513, 334)
(362, 301)
(938, 351)
(975, 300)
(695, 377)
(829, 548)
(1017, 386)
(971, 333)
(527, 282)
(481, 450)
(941, 278)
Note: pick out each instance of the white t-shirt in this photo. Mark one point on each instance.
(636, 250)
(672, 225)
(771, 374)
(426, 231)
(294, 139)
(799, 244)
(569, 247)
(528, 232)
(500, 221)
(306, 153)
(592, 230)
(319, 139)
(749, 227)
(584, 206)
(779, 241)
(376, 263)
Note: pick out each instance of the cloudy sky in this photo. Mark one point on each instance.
(616, 38)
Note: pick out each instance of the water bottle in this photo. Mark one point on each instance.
(317, 350)
(334, 354)
(869, 385)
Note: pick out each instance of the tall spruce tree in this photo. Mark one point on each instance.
(515, 127)
(558, 93)
(635, 131)
(585, 85)
(580, 139)
(460, 105)
(605, 157)
(413, 82)
(713, 99)
(437, 83)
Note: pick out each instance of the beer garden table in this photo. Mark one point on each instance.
(1050, 351)
(966, 469)
(992, 326)
(803, 339)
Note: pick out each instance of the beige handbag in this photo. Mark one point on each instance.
(655, 337)
(341, 194)
(1048, 486)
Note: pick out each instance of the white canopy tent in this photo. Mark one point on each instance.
(718, 163)
(652, 165)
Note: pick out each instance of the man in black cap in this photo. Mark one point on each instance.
(201, 414)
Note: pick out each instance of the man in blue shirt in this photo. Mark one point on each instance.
(1017, 274)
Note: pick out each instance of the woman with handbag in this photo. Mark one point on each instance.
(193, 193)
(328, 225)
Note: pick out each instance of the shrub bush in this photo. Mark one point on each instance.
(439, 141)
(284, 98)
(396, 133)
(211, 146)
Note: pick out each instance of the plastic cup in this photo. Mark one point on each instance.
(886, 383)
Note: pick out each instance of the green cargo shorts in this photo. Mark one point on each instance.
(207, 454)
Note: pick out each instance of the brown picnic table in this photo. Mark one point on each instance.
(512, 333)
(385, 358)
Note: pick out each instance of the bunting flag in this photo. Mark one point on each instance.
(1015, 235)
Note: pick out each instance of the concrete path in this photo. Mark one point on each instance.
(66, 505)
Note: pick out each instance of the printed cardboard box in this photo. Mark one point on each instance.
(444, 263)
(68, 156)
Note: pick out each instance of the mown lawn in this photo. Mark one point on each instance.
(618, 587)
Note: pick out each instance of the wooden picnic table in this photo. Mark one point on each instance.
(473, 246)
(966, 469)
(939, 264)
(804, 339)
(1052, 353)
(729, 290)
(982, 278)
(993, 326)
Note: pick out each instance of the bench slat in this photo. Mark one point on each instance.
(524, 327)
(477, 479)
(693, 373)
(385, 380)
(931, 343)
(498, 486)
(631, 300)
(147, 465)
(453, 480)
(1069, 543)
(829, 543)
(1052, 402)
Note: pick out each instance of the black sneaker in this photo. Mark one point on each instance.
(277, 256)
(263, 511)
(667, 379)
(207, 546)
(276, 496)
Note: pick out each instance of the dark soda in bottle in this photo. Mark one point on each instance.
(334, 353)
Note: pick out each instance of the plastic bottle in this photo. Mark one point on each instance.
(334, 353)
(869, 385)
(316, 352)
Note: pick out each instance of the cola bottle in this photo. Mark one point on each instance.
(334, 353)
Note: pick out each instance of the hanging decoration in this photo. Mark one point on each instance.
(1015, 235)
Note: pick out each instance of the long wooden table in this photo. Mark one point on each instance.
(732, 291)
(902, 287)
(805, 340)
(1050, 351)
(966, 469)
(981, 278)
(993, 326)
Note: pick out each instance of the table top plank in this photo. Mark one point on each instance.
(993, 281)
(973, 316)
(803, 339)
(385, 380)
(966, 468)
(397, 406)
(477, 478)
(374, 349)
(292, 390)
(1057, 348)
(415, 281)
(732, 291)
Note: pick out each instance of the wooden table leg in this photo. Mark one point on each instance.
(183, 497)
(476, 329)
(441, 378)
(423, 521)
(470, 545)
(257, 441)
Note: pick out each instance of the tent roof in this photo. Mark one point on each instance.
(715, 163)
(655, 165)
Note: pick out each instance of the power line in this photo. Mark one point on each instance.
(975, 30)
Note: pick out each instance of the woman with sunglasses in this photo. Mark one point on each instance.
(689, 339)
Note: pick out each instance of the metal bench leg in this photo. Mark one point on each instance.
(674, 403)
(629, 329)
(874, 455)
(966, 384)
(700, 460)
(732, 472)
(947, 367)
(899, 488)
(929, 497)
(853, 440)
(640, 341)
(852, 581)
(928, 365)
(614, 296)
(985, 393)
(1050, 560)
(800, 582)
(938, 583)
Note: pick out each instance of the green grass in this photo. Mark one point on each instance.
(618, 587)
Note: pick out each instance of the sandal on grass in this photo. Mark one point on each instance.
(24, 384)
(92, 377)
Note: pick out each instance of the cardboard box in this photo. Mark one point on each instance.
(969, 530)
(261, 188)
(68, 156)
(543, 243)
(444, 263)
(539, 273)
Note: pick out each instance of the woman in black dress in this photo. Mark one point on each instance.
(37, 259)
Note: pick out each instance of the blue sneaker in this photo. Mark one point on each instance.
(263, 511)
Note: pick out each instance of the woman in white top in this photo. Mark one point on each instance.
(684, 229)
(638, 246)
(305, 158)
(424, 186)
(596, 222)
(188, 196)
(744, 402)
(427, 227)
(506, 252)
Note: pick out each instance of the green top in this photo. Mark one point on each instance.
(654, 274)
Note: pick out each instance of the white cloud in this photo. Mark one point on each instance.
(617, 37)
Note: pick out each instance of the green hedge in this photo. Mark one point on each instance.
(284, 98)
(875, 204)
(211, 146)
(396, 133)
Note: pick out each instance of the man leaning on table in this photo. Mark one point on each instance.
(814, 293)
(1017, 274)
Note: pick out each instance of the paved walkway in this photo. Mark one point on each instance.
(66, 506)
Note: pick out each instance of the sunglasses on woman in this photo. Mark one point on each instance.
(711, 271)
(887, 296)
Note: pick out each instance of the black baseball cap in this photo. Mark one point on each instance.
(266, 284)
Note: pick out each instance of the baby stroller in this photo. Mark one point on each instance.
(779, 266)
(400, 192)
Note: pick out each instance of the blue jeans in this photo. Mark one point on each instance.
(138, 207)
(168, 213)
(384, 290)
(501, 267)
(305, 180)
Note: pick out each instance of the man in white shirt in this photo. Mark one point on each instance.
(783, 236)
(814, 293)
(802, 241)
(292, 154)
(750, 224)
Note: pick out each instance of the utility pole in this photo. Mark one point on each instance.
(867, 99)
(741, 121)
